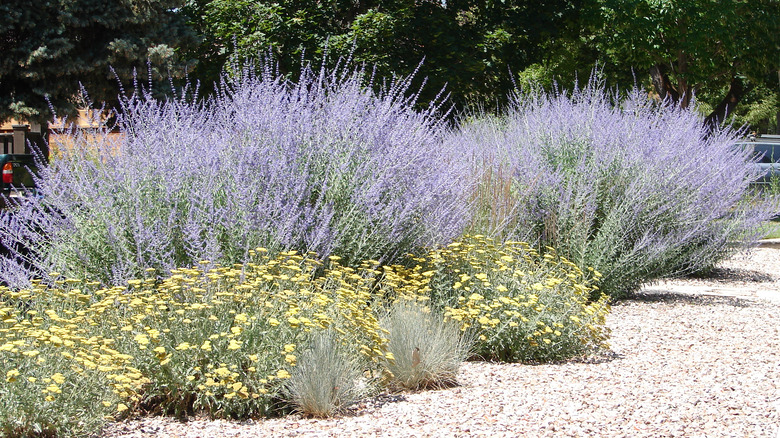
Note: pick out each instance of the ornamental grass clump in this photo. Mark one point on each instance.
(327, 378)
(523, 306)
(635, 189)
(323, 164)
(426, 350)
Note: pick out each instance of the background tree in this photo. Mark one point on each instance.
(716, 50)
(470, 46)
(724, 52)
(48, 47)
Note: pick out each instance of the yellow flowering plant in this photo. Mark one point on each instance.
(55, 367)
(225, 340)
(206, 339)
(524, 306)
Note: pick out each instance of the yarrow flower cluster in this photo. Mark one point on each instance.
(225, 340)
(522, 306)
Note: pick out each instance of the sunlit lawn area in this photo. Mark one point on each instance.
(773, 229)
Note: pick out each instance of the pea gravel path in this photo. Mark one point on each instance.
(689, 358)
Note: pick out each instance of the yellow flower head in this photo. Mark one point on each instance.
(54, 389)
(58, 378)
(11, 376)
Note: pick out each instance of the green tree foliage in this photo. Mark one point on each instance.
(48, 47)
(471, 47)
(716, 50)
(724, 52)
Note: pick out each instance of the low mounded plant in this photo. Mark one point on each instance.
(636, 189)
(45, 387)
(220, 341)
(522, 306)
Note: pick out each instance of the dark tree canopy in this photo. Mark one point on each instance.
(471, 47)
(725, 52)
(48, 47)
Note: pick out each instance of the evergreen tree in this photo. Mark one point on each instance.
(49, 47)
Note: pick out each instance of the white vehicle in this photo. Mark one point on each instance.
(766, 150)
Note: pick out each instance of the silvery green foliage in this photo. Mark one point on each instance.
(323, 164)
(427, 349)
(635, 189)
(326, 378)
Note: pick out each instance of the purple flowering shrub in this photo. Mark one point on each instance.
(323, 165)
(631, 188)
(634, 189)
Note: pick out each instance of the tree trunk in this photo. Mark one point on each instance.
(726, 106)
(777, 116)
(777, 125)
(662, 84)
(683, 88)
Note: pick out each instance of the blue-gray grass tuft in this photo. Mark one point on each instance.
(326, 379)
(427, 350)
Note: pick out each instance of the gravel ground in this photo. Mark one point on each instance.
(688, 358)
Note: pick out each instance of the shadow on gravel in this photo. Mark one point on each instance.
(730, 275)
(372, 403)
(599, 357)
(677, 298)
(602, 357)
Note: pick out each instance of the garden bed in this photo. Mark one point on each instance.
(680, 364)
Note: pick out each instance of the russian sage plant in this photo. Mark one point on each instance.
(632, 188)
(324, 164)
